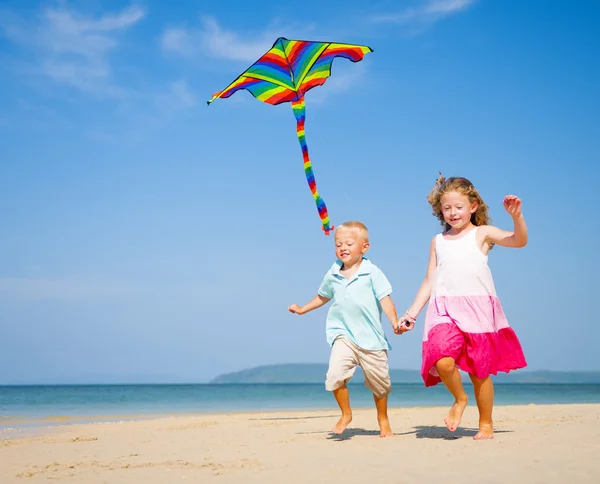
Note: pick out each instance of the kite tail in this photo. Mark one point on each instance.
(298, 107)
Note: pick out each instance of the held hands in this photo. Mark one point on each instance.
(404, 324)
(512, 205)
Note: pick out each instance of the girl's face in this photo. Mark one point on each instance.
(457, 209)
(349, 246)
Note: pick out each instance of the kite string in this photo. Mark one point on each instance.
(299, 109)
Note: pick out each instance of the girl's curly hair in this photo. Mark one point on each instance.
(460, 185)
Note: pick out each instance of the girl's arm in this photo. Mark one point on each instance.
(518, 237)
(422, 295)
(315, 303)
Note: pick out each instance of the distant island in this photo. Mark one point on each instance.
(315, 373)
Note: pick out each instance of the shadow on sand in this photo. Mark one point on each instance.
(420, 432)
(295, 418)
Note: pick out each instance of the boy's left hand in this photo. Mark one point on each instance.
(512, 205)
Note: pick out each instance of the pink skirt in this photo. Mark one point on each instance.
(479, 354)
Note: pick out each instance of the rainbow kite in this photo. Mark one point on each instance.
(284, 74)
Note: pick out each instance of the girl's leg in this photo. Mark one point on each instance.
(484, 395)
(450, 376)
(342, 397)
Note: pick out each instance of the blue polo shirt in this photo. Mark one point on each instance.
(356, 312)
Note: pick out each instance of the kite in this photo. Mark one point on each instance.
(284, 74)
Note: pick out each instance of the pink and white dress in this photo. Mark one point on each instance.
(465, 319)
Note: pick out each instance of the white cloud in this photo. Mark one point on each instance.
(344, 76)
(72, 48)
(212, 40)
(181, 95)
(176, 97)
(228, 45)
(177, 40)
(427, 12)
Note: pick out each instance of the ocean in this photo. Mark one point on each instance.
(36, 405)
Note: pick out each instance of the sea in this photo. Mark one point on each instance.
(35, 405)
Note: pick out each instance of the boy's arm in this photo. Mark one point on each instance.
(382, 290)
(389, 309)
(315, 303)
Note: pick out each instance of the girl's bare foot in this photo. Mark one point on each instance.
(454, 417)
(384, 428)
(342, 424)
(486, 431)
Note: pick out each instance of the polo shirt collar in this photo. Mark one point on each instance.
(364, 268)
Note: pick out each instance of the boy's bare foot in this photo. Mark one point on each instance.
(384, 428)
(342, 424)
(486, 432)
(454, 417)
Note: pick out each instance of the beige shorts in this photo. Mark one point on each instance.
(346, 356)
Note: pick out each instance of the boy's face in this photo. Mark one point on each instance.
(350, 246)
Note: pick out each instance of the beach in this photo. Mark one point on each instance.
(533, 443)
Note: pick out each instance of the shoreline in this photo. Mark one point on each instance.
(60, 420)
(533, 443)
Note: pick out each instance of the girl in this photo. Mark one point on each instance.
(465, 327)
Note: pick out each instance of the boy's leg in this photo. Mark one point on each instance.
(377, 379)
(385, 430)
(342, 363)
(450, 376)
(342, 397)
(484, 395)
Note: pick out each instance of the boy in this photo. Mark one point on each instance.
(360, 292)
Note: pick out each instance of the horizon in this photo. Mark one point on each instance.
(146, 234)
(150, 380)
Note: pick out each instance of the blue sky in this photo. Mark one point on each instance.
(148, 237)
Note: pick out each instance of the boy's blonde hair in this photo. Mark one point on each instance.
(460, 185)
(363, 232)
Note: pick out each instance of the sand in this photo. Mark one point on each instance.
(533, 443)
